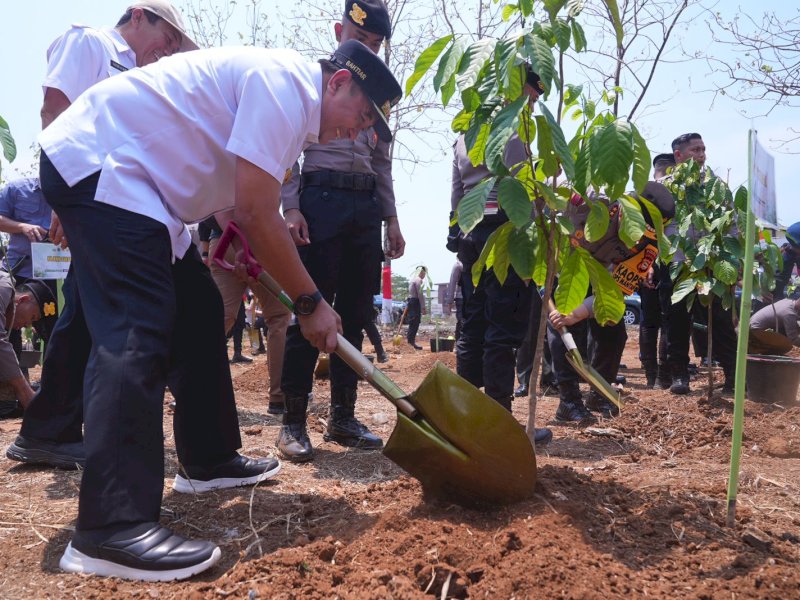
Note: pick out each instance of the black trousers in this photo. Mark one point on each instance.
(653, 329)
(495, 321)
(374, 336)
(141, 313)
(679, 321)
(609, 344)
(344, 260)
(524, 355)
(413, 318)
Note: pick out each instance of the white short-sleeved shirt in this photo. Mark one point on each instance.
(166, 136)
(83, 56)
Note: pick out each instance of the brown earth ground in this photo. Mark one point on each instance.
(638, 512)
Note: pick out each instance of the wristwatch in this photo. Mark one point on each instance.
(305, 304)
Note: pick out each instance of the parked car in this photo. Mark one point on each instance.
(633, 310)
(398, 306)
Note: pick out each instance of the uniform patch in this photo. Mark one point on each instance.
(287, 176)
(49, 309)
(357, 14)
(118, 66)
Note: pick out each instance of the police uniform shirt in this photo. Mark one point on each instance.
(367, 154)
(786, 319)
(167, 135)
(83, 56)
(466, 176)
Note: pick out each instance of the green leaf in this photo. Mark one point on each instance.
(461, 121)
(699, 261)
(574, 8)
(541, 58)
(503, 127)
(641, 161)
(726, 272)
(509, 10)
(683, 289)
(573, 283)
(426, 60)
(612, 152)
(554, 201)
(7, 141)
(522, 248)
(471, 100)
(596, 222)
(448, 64)
(553, 6)
(658, 225)
(540, 266)
(476, 143)
(572, 94)
(631, 224)
(740, 199)
(513, 199)
(613, 10)
(609, 306)
(470, 208)
(526, 6)
(562, 31)
(473, 61)
(548, 162)
(560, 143)
(578, 36)
(505, 53)
(448, 89)
(499, 257)
(583, 171)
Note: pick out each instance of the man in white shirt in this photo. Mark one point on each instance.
(125, 167)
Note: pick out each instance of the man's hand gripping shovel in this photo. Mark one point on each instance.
(454, 439)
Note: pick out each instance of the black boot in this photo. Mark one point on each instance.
(680, 380)
(600, 404)
(729, 387)
(293, 442)
(664, 377)
(650, 373)
(571, 408)
(344, 428)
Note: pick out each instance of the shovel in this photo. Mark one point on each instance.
(397, 339)
(587, 372)
(455, 440)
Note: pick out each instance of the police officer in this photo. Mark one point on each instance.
(679, 319)
(495, 315)
(334, 209)
(652, 346)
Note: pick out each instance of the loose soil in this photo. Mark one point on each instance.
(634, 508)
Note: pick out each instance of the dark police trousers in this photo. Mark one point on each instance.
(413, 318)
(141, 313)
(609, 346)
(495, 320)
(344, 260)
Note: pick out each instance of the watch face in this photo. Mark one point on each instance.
(305, 305)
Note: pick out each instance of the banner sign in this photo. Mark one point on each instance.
(763, 190)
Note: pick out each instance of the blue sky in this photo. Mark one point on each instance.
(677, 102)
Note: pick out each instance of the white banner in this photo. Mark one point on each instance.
(763, 178)
(49, 261)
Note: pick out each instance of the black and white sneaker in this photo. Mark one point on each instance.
(62, 455)
(236, 472)
(145, 552)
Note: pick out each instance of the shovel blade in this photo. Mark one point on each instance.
(463, 445)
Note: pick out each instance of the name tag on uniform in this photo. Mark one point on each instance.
(118, 66)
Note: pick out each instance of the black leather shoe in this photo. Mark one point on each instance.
(521, 391)
(680, 385)
(383, 357)
(294, 444)
(145, 552)
(352, 433)
(415, 346)
(542, 437)
(241, 358)
(601, 404)
(61, 455)
(574, 412)
(236, 472)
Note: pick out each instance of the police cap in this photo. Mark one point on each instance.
(370, 15)
(375, 80)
